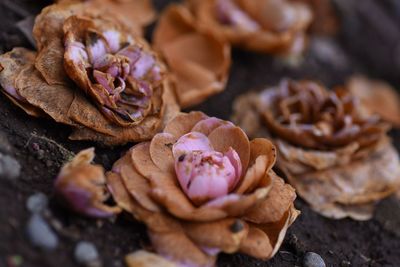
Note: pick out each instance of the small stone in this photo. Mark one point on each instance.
(9, 167)
(86, 254)
(40, 234)
(37, 203)
(312, 259)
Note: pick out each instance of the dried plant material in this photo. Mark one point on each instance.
(82, 186)
(326, 21)
(136, 14)
(377, 97)
(143, 258)
(202, 186)
(92, 73)
(333, 149)
(199, 61)
(270, 26)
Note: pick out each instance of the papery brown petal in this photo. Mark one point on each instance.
(300, 160)
(278, 201)
(226, 234)
(161, 151)
(54, 100)
(119, 192)
(208, 125)
(377, 97)
(253, 175)
(199, 62)
(142, 258)
(169, 240)
(183, 123)
(224, 137)
(138, 187)
(359, 182)
(257, 244)
(49, 63)
(262, 158)
(11, 64)
(362, 212)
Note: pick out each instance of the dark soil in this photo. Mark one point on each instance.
(369, 43)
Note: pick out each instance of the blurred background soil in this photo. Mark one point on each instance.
(368, 43)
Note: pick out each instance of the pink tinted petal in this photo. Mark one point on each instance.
(113, 40)
(104, 79)
(191, 142)
(234, 158)
(230, 13)
(113, 70)
(131, 52)
(218, 202)
(205, 175)
(75, 51)
(96, 47)
(143, 65)
(104, 61)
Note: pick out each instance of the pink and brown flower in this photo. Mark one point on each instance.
(337, 156)
(91, 71)
(82, 187)
(272, 26)
(201, 187)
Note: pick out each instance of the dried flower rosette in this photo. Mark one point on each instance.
(201, 187)
(339, 158)
(272, 26)
(199, 61)
(91, 72)
(82, 186)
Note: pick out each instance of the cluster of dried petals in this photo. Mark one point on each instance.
(337, 156)
(202, 188)
(272, 26)
(82, 186)
(92, 72)
(199, 61)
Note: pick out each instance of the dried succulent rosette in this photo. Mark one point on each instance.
(82, 186)
(91, 72)
(272, 26)
(339, 158)
(202, 188)
(199, 61)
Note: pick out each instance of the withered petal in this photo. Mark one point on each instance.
(278, 201)
(226, 136)
(142, 258)
(183, 123)
(161, 151)
(199, 61)
(226, 234)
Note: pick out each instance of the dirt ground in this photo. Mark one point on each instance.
(369, 44)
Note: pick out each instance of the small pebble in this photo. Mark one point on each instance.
(312, 259)
(40, 234)
(86, 254)
(9, 167)
(37, 203)
(345, 264)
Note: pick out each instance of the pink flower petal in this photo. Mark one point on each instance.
(189, 142)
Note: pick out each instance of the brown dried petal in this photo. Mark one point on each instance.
(183, 123)
(377, 97)
(226, 234)
(343, 186)
(199, 62)
(272, 33)
(278, 201)
(142, 258)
